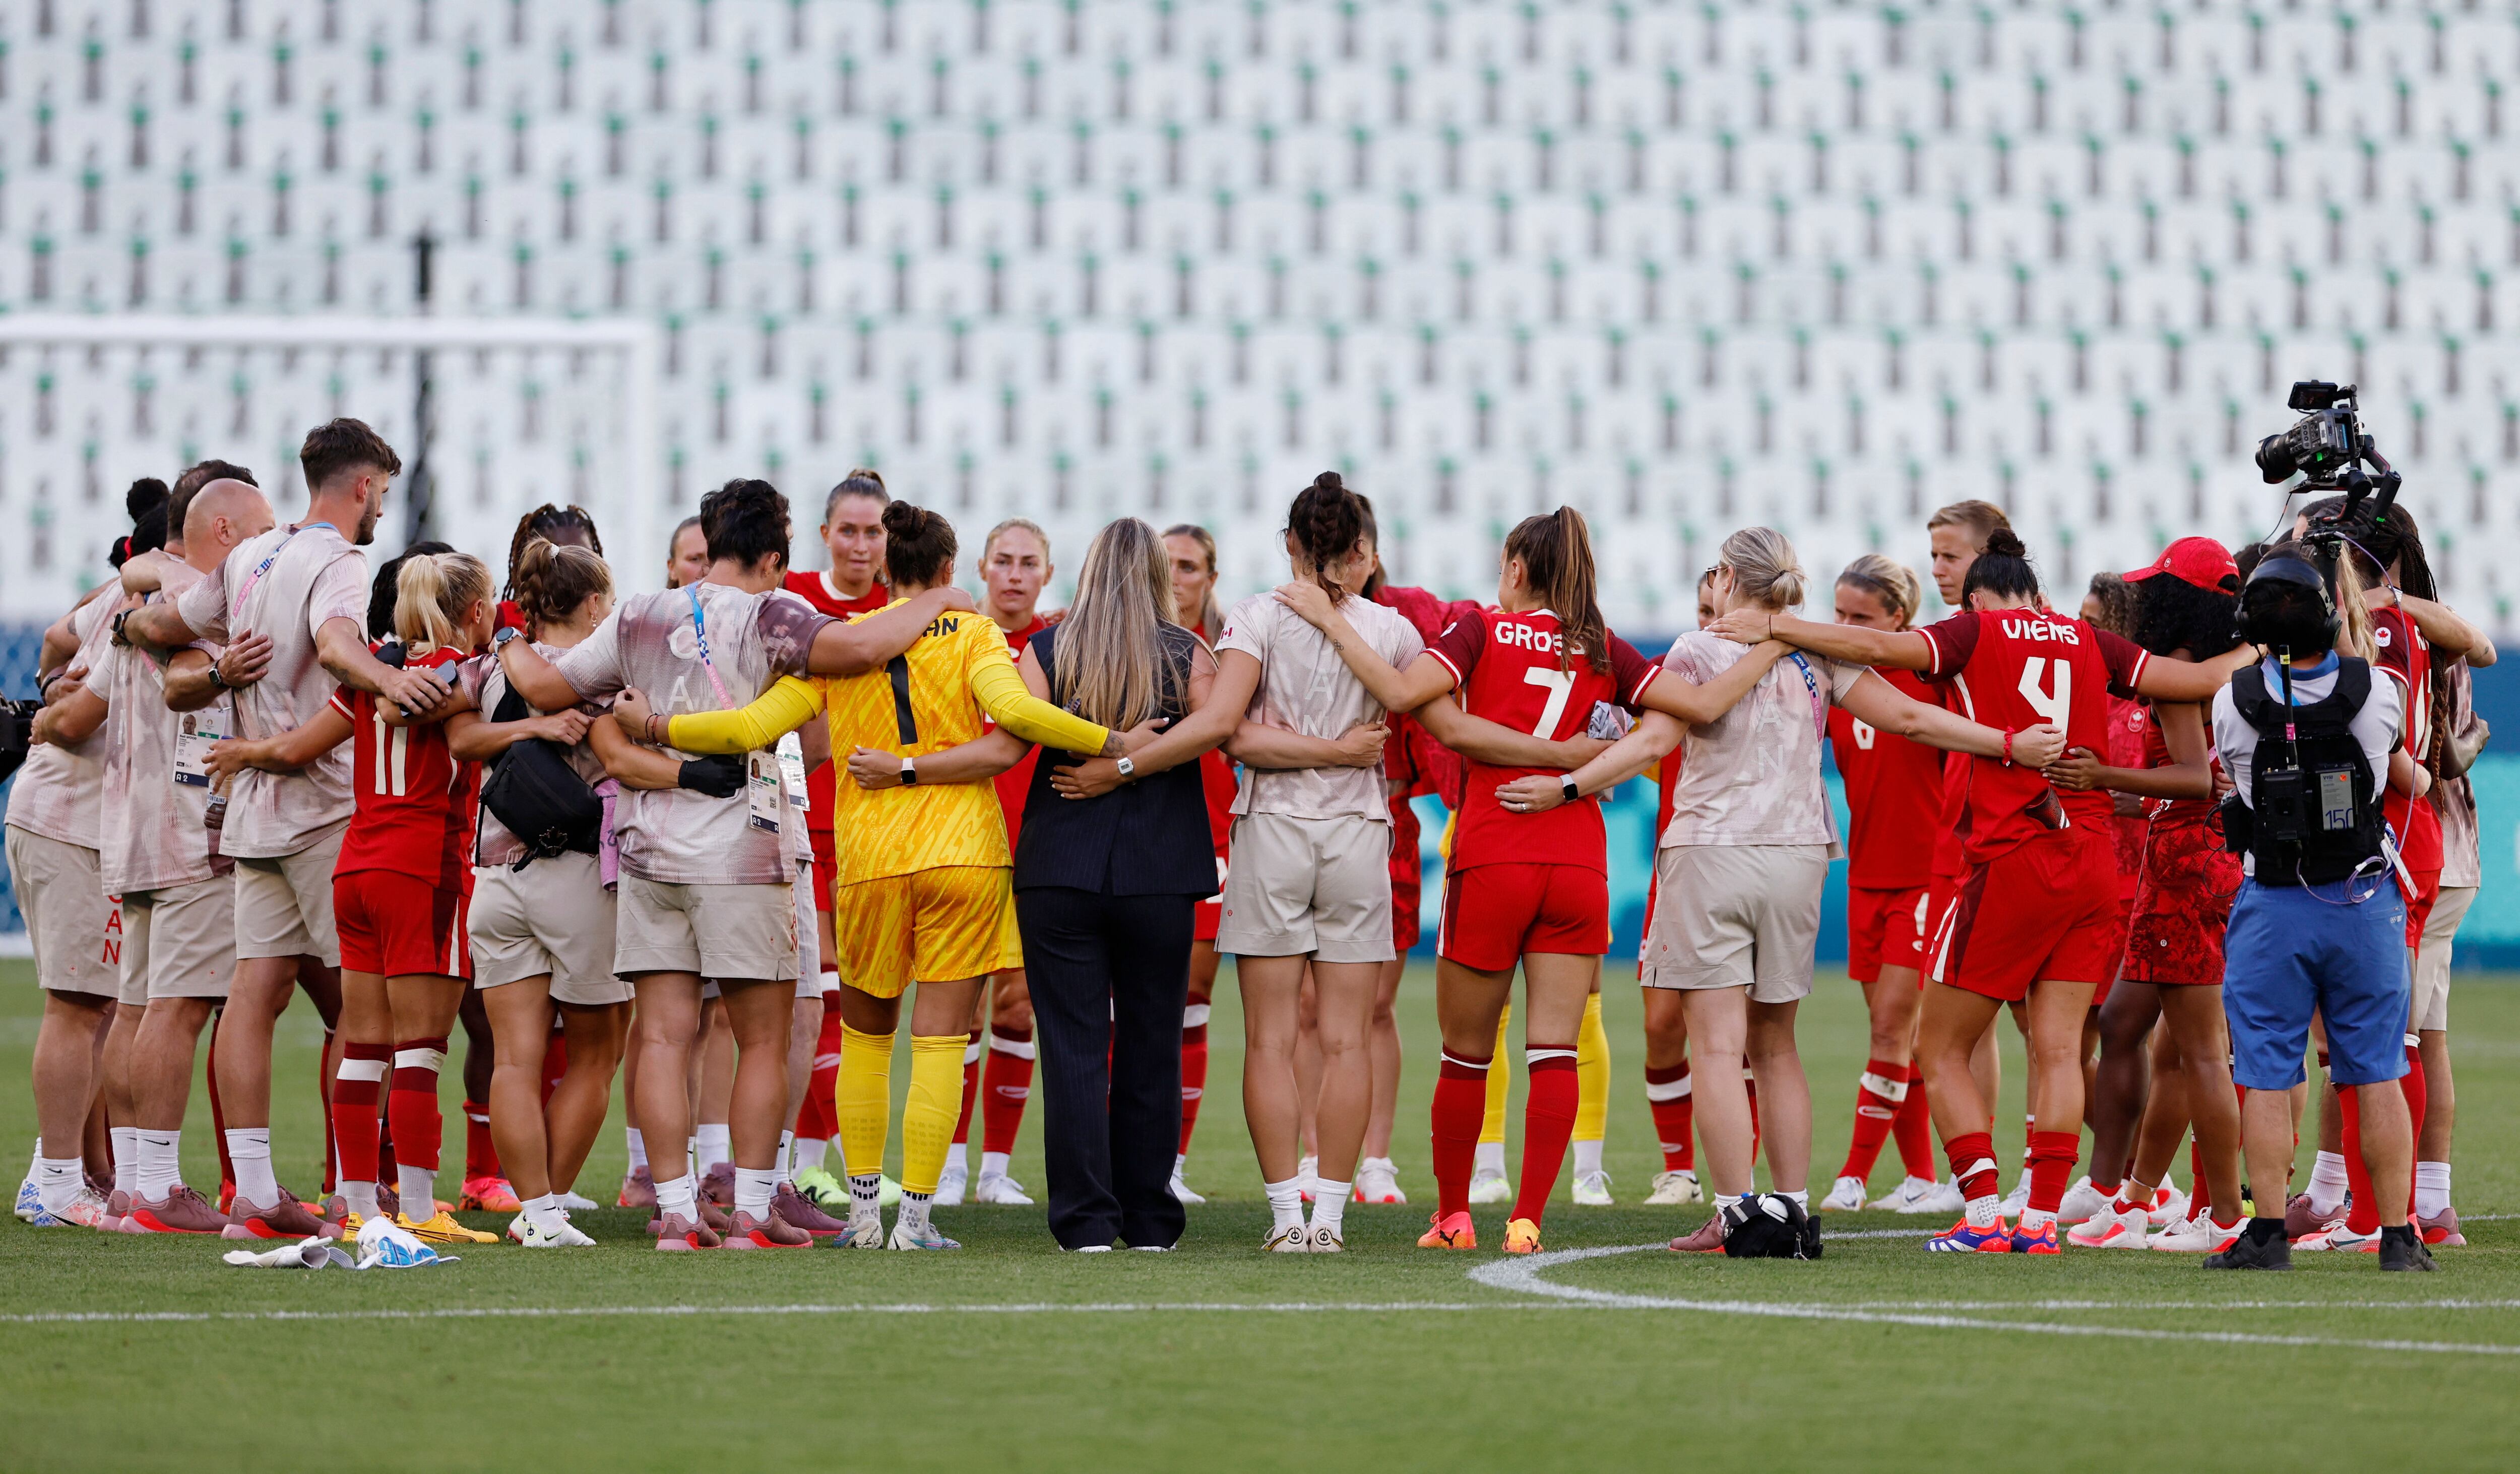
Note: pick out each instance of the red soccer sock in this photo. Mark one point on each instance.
(2052, 1167)
(2364, 1215)
(480, 1153)
(1913, 1129)
(1879, 1092)
(825, 1121)
(2418, 1096)
(1459, 1106)
(555, 1065)
(1005, 1085)
(1972, 1158)
(1674, 1104)
(1548, 1123)
(353, 1111)
(412, 1112)
(323, 1100)
(971, 1087)
(219, 1116)
(1193, 1069)
(1750, 1088)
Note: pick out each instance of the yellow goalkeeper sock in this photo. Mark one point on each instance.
(935, 1101)
(1492, 1125)
(861, 1099)
(1592, 1074)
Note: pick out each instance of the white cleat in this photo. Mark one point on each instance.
(1181, 1190)
(1295, 1238)
(84, 1210)
(1904, 1197)
(575, 1202)
(1320, 1239)
(1377, 1181)
(951, 1183)
(1673, 1189)
(1309, 1178)
(2338, 1239)
(866, 1226)
(1488, 1186)
(1845, 1195)
(925, 1239)
(567, 1235)
(2169, 1206)
(2197, 1235)
(1593, 1189)
(30, 1202)
(2082, 1201)
(2017, 1199)
(2109, 1228)
(997, 1188)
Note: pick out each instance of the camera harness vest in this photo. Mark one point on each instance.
(2314, 816)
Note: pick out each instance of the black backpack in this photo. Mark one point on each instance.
(534, 790)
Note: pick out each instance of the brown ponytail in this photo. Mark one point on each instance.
(553, 581)
(1326, 523)
(1557, 554)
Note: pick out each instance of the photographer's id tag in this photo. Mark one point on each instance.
(761, 791)
(193, 750)
(792, 768)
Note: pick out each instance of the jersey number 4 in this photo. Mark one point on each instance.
(2052, 706)
(1560, 685)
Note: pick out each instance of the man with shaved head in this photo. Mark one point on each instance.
(178, 898)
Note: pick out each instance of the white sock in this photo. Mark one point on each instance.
(360, 1196)
(691, 1156)
(1285, 1203)
(957, 1159)
(154, 1171)
(914, 1213)
(1181, 1159)
(753, 1187)
(806, 1152)
(250, 1150)
(785, 1171)
(58, 1180)
(1985, 1212)
(993, 1164)
(1800, 1198)
(419, 1189)
(1330, 1205)
(1490, 1157)
(1377, 1164)
(544, 1213)
(2327, 1182)
(126, 1156)
(680, 1198)
(866, 1192)
(638, 1150)
(1587, 1158)
(716, 1146)
(2034, 1219)
(2432, 1188)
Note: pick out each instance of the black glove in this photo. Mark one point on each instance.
(719, 777)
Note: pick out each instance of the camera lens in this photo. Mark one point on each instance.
(2274, 459)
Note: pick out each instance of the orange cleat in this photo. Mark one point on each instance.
(1522, 1237)
(488, 1195)
(1454, 1232)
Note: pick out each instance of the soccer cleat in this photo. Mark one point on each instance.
(1320, 1239)
(442, 1227)
(2405, 1250)
(1454, 1232)
(533, 1235)
(2169, 1206)
(2083, 1201)
(2338, 1238)
(180, 1211)
(2197, 1235)
(794, 1208)
(285, 1219)
(1946, 1197)
(2109, 1228)
(771, 1232)
(926, 1237)
(827, 1193)
(1308, 1173)
(1378, 1181)
(487, 1195)
(1488, 1186)
(1960, 1238)
(678, 1233)
(1522, 1237)
(865, 1228)
(2441, 1230)
(1677, 1188)
(951, 1185)
(30, 1202)
(1845, 1195)
(717, 1185)
(2300, 1220)
(1001, 1190)
(1905, 1197)
(1593, 1190)
(2039, 1241)
(84, 1210)
(1707, 1238)
(575, 1202)
(638, 1190)
(1292, 1238)
(2017, 1199)
(1182, 1191)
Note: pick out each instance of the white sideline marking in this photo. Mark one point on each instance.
(913, 1308)
(1523, 1276)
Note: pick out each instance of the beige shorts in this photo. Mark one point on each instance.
(2431, 1008)
(809, 937)
(738, 932)
(1737, 915)
(73, 927)
(179, 941)
(1321, 886)
(553, 918)
(284, 906)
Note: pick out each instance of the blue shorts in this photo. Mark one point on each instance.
(2292, 949)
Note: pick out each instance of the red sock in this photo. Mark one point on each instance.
(971, 1087)
(324, 1102)
(2052, 1167)
(2365, 1215)
(1913, 1129)
(555, 1065)
(2199, 1195)
(1972, 1158)
(219, 1117)
(1669, 1095)
(480, 1153)
(411, 1111)
(819, 1095)
(1194, 1076)
(354, 1112)
(1007, 1084)
(2417, 1097)
(1459, 1106)
(1750, 1088)
(1548, 1122)
(1879, 1093)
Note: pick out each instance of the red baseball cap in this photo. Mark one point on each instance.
(2199, 561)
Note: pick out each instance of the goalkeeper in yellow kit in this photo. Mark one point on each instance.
(924, 885)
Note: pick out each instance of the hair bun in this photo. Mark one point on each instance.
(1328, 481)
(861, 474)
(2005, 543)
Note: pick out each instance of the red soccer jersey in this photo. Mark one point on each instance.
(415, 800)
(2130, 729)
(815, 589)
(2404, 653)
(1017, 781)
(1894, 795)
(1506, 670)
(2018, 668)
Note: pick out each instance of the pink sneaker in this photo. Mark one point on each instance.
(285, 1219)
(181, 1211)
(717, 1186)
(2441, 1230)
(638, 1191)
(677, 1233)
(795, 1209)
(772, 1232)
(1708, 1240)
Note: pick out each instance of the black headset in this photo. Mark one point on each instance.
(2292, 572)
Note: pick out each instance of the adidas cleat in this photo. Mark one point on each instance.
(1454, 1232)
(1960, 1238)
(2039, 1241)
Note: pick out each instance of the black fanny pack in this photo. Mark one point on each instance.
(16, 732)
(534, 791)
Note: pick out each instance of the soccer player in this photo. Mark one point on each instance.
(687, 555)
(1893, 795)
(2036, 916)
(1190, 550)
(292, 607)
(923, 875)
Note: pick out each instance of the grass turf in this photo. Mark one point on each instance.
(1386, 1357)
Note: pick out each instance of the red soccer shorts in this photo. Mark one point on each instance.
(1493, 914)
(827, 864)
(2181, 905)
(2044, 911)
(1885, 928)
(2419, 905)
(397, 925)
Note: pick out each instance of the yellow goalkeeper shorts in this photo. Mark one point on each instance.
(940, 925)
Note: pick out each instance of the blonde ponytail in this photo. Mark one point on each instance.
(1764, 567)
(431, 595)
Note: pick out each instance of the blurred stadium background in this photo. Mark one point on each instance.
(1684, 266)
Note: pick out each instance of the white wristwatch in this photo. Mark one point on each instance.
(1128, 768)
(1566, 785)
(909, 773)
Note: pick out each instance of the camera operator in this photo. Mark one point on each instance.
(2309, 738)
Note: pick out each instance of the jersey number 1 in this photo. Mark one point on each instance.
(1560, 685)
(393, 756)
(2052, 706)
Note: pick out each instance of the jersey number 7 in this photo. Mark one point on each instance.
(1560, 685)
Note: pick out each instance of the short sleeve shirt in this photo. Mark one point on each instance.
(1752, 775)
(2375, 728)
(155, 834)
(60, 791)
(488, 685)
(1306, 689)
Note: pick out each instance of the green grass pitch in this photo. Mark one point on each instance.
(1013, 1356)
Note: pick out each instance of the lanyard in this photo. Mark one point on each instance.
(1811, 683)
(264, 566)
(700, 628)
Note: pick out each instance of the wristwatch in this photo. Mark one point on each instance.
(218, 680)
(120, 638)
(909, 773)
(1566, 785)
(499, 641)
(1128, 768)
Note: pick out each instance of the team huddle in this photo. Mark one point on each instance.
(719, 839)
